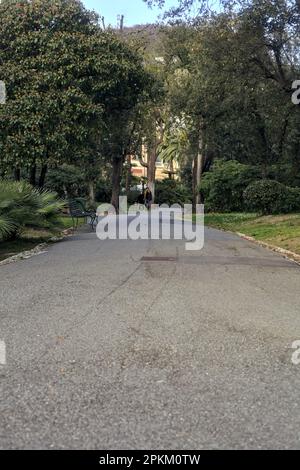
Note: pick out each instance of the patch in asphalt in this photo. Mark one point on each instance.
(159, 259)
(239, 261)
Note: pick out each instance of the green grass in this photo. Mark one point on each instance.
(66, 222)
(281, 230)
(230, 221)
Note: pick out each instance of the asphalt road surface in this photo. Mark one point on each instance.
(109, 351)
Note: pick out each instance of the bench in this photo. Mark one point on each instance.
(78, 211)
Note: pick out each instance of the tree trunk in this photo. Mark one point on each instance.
(151, 172)
(171, 172)
(128, 176)
(194, 179)
(91, 192)
(32, 177)
(151, 161)
(117, 166)
(43, 176)
(198, 165)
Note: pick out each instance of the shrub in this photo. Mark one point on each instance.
(284, 173)
(133, 196)
(271, 197)
(171, 192)
(103, 191)
(223, 186)
(66, 181)
(21, 205)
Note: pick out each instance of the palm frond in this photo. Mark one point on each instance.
(22, 205)
(7, 227)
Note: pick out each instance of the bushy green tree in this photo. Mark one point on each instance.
(67, 181)
(72, 89)
(224, 185)
(172, 192)
(271, 197)
(46, 49)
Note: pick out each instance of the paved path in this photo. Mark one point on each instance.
(107, 351)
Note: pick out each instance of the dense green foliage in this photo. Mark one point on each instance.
(172, 192)
(271, 197)
(21, 205)
(210, 94)
(72, 90)
(103, 191)
(230, 72)
(67, 181)
(231, 186)
(50, 110)
(224, 185)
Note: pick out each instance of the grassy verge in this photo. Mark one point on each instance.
(32, 237)
(281, 230)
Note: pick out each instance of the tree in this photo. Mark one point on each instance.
(152, 138)
(48, 113)
(149, 116)
(122, 134)
(72, 89)
(187, 96)
(175, 142)
(237, 68)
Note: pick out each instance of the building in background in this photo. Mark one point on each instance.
(163, 170)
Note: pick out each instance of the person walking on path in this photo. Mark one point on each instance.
(148, 198)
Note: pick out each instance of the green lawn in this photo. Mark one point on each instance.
(66, 222)
(32, 237)
(281, 230)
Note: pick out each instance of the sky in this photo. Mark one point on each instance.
(135, 11)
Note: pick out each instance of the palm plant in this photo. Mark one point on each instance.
(171, 149)
(22, 205)
(7, 227)
(176, 140)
